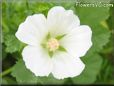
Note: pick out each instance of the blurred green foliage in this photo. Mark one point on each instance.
(99, 60)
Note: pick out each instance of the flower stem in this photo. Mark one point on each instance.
(6, 72)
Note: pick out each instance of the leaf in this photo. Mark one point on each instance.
(50, 80)
(100, 37)
(40, 7)
(88, 15)
(92, 67)
(8, 80)
(23, 75)
(12, 44)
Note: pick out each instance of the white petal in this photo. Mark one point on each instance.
(61, 21)
(64, 66)
(78, 41)
(32, 30)
(37, 60)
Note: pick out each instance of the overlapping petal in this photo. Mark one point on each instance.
(32, 30)
(78, 41)
(61, 21)
(65, 65)
(37, 60)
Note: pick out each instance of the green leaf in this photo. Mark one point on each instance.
(50, 80)
(88, 15)
(12, 44)
(23, 75)
(100, 38)
(92, 67)
(8, 80)
(40, 7)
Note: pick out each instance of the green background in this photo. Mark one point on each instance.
(99, 60)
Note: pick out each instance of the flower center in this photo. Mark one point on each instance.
(52, 44)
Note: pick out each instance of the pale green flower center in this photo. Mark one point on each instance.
(53, 44)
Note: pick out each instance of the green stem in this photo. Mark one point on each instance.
(6, 72)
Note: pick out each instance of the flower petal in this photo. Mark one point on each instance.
(78, 41)
(64, 66)
(61, 21)
(37, 60)
(32, 30)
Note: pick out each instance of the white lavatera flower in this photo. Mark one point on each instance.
(55, 43)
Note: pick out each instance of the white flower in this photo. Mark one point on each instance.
(55, 43)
